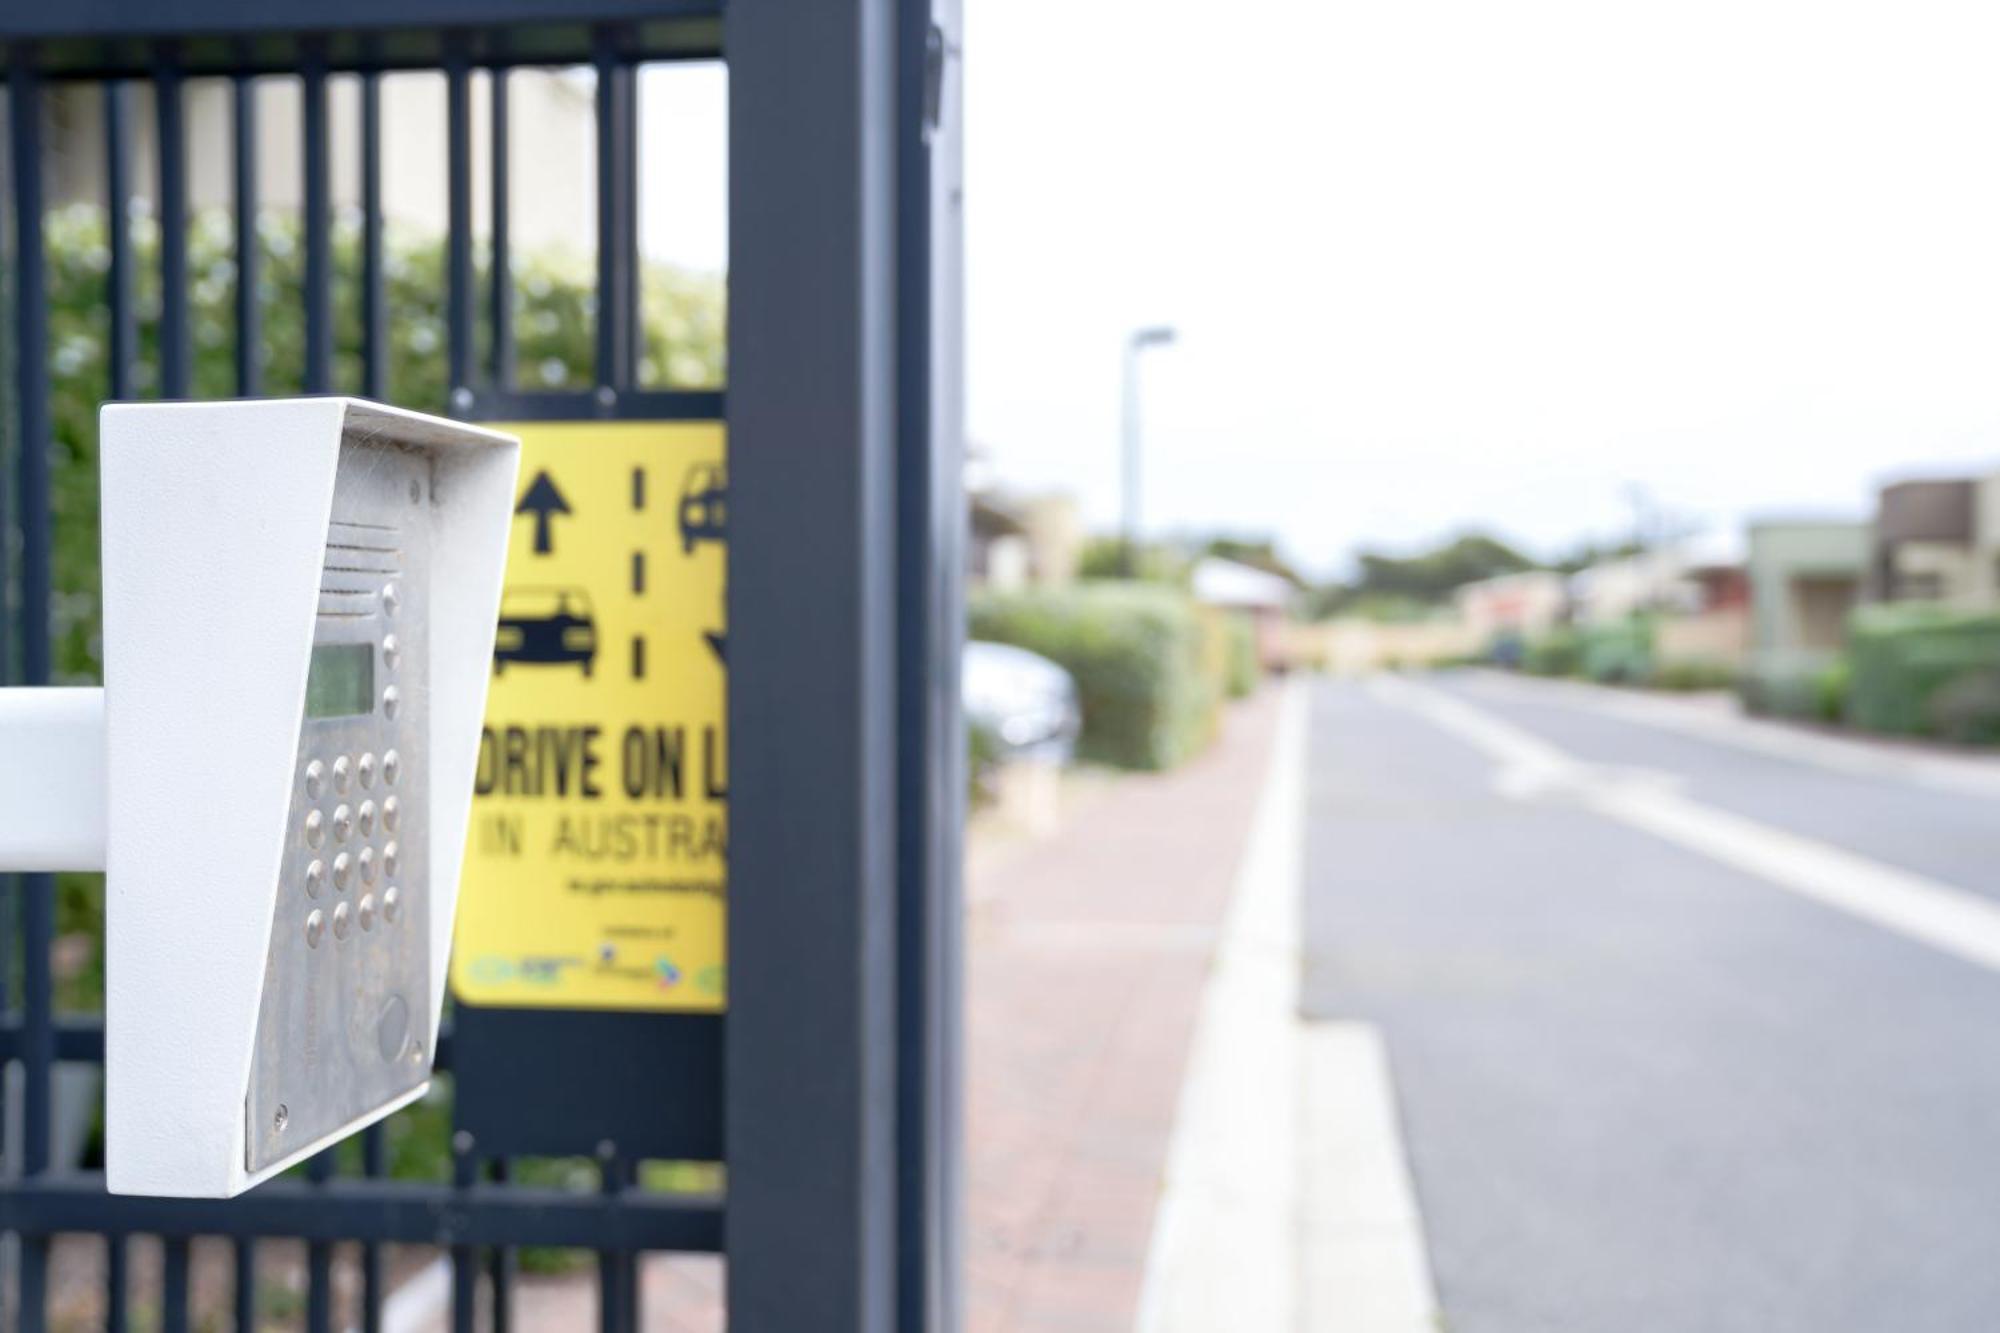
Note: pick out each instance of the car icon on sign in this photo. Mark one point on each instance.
(545, 626)
(704, 505)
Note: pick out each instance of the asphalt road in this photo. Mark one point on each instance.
(1642, 1089)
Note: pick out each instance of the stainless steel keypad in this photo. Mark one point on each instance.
(349, 958)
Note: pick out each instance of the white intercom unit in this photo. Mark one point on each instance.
(299, 607)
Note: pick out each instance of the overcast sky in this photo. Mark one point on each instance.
(1463, 262)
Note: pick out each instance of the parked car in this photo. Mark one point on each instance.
(1024, 703)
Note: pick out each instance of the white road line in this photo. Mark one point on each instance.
(1223, 1250)
(1961, 774)
(1363, 1266)
(1930, 911)
(1286, 1204)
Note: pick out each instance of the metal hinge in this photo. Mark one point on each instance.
(936, 52)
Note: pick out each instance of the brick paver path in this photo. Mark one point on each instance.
(1086, 955)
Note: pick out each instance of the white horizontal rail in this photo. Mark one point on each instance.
(51, 779)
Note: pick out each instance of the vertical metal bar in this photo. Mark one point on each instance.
(245, 1278)
(117, 1277)
(124, 336)
(500, 1266)
(930, 634)
(811, 1037)
(374, 1164)
(617, 201)
(617, 1270)
(464, 1258)
(33, 498)
(628, 170)
(458, 225)
(249, 247)
(174, 1285)
(611, 1313)
(31, 385)
(176, 366)
(374, 308)
(502, 293)
(317, 223)
(319, 1258)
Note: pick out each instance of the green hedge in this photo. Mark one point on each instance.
(1926, 670)
(1558, 652)
(1812, 686)
(1692, 674)
(1617, 653)
(1137, 652)
(1241, 669)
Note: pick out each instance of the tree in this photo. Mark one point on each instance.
(1396, 586)
(1257, 552)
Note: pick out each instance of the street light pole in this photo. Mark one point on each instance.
(1137, 341)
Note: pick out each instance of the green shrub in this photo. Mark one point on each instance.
(982, 754)
(1691, 674)
(1136, 651)
(1557, 652)
(1807, 686)
(1831, 686)
(1241, 669)
(1619, 652)
(1926, 670)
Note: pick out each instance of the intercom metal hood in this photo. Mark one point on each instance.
(218, 522)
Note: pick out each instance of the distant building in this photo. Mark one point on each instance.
(1806, 576)
(1689, 577)
(1525, 604)
(1265, 598)
(1018, 542)
(1937, 540)
(551, 129)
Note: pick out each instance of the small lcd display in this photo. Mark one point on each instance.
(341, 682)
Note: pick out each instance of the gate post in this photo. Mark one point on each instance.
(842, 636)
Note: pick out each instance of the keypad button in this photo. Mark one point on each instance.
(365, 863)
(365, 767)
(315, 828)
(315, 779)
(315, 878)
(392, 767)
(392, 701)
(392, 598)
(364, 818)
(343, 823)
(392, 652)
(391, 860)
(343, 774)
(367, 911)
(342, 921)
(392, 813)
(315, 927)
(343, 871)
(392, 903)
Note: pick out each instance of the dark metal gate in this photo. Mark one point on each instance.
(840, 1078)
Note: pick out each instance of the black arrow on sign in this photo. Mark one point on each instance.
(544, 501)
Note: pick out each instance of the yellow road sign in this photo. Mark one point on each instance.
(595, 867)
